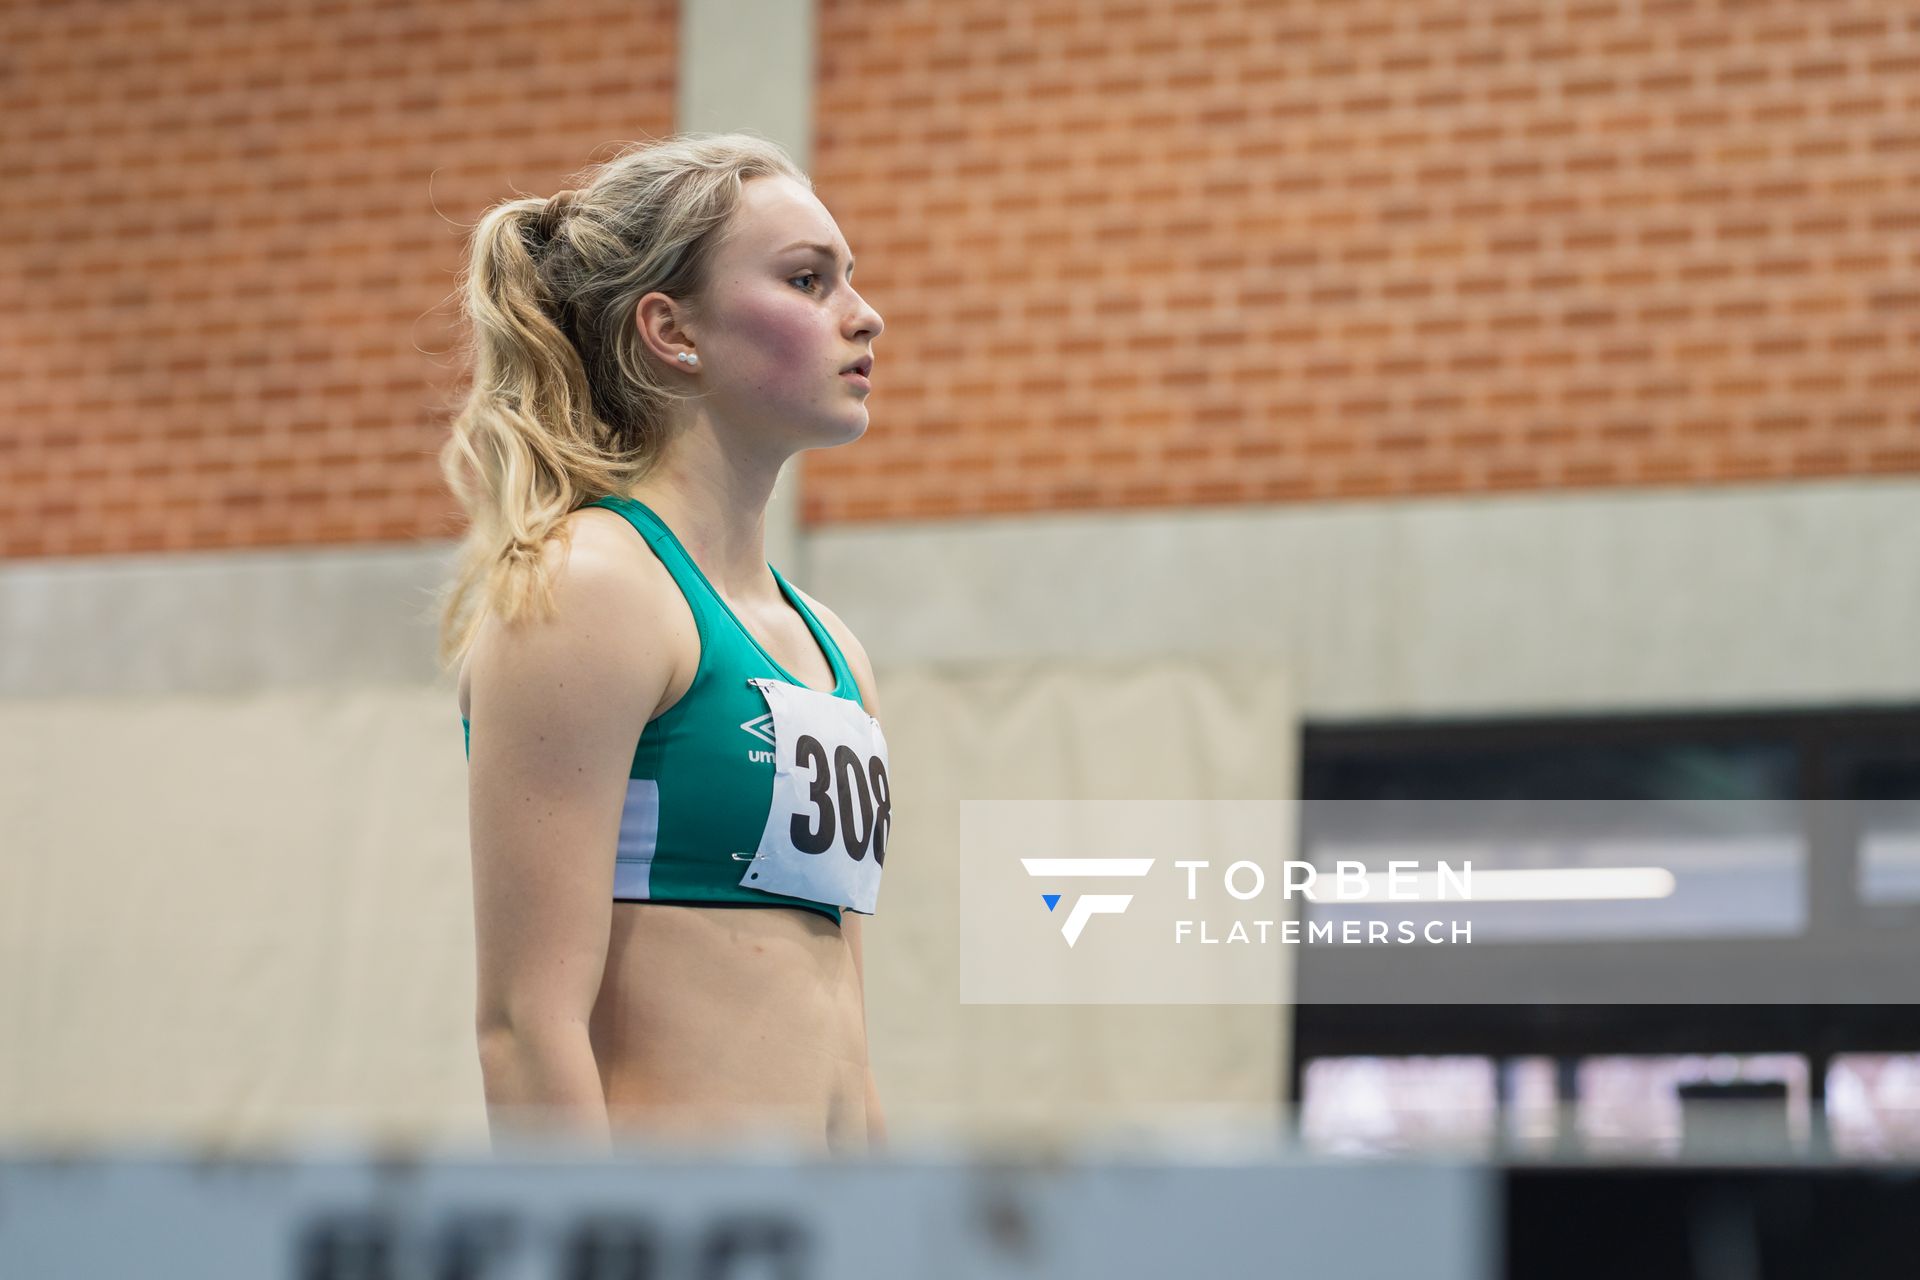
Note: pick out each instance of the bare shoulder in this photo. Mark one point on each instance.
(606, 553)
(610, 591)
(608, 534)
(849, 645)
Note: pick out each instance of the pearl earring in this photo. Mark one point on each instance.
(688, 357)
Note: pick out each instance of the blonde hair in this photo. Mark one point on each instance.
(565, 404)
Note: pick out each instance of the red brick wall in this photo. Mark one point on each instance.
(228, 243)
(1130, 254)
(1133, 254)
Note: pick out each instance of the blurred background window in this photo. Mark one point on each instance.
(1880, 779)
(1385, 1106)
(1823, 864)
(1721, 818)
(1873, 1104)
(1633, 1104)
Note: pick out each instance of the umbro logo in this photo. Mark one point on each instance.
(761, 727)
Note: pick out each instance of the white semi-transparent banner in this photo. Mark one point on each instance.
(1439, 901)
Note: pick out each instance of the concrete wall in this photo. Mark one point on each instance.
(1779, 595)
(1762, 596)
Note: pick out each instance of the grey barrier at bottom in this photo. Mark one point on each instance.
(508, 1218)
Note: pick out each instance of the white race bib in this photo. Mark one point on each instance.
(826, 833)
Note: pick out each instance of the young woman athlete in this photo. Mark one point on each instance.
(678, 799)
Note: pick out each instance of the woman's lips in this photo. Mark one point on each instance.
(857, 378)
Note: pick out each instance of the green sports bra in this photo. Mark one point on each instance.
(699, 790)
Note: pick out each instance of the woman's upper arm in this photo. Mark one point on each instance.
(558, 705)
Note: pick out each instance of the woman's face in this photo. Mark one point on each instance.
(782, 320)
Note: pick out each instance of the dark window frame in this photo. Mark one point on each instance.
(1824, 737)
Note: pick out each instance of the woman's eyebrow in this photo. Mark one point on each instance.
(825, 251)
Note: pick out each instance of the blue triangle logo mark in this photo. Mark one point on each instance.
(1052, 900)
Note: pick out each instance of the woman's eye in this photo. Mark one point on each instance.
(805, 275)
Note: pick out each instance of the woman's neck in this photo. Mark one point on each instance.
(722, 525)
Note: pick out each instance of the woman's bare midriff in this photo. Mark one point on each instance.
(726, 1022)
(731, 1021)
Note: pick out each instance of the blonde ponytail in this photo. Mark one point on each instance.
(565, 405)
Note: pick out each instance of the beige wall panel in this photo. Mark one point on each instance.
(1146, 729)
(234, 917)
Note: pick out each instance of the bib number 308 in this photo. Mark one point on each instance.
(831, 809)
(858, 786)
